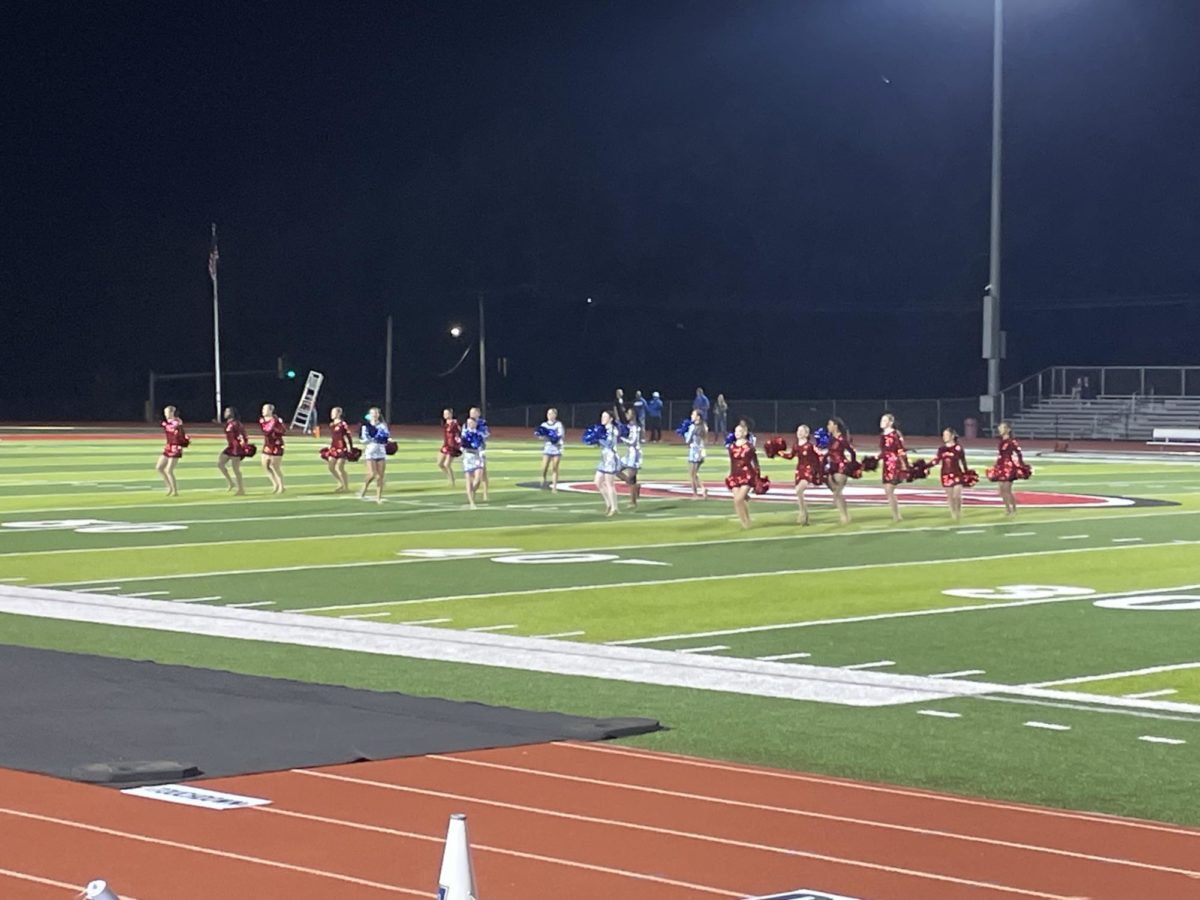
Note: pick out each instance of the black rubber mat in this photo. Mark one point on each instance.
(123, 722)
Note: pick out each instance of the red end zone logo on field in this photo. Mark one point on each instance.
(872, 494)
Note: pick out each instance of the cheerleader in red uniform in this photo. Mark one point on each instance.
(451, 446)
(955, 474)
(273, 429)
(893, 460)
(744, 473)
(1010, 466)
(810, 469)
(172, 426)
(237, 447)
(340, 449)
(841, 464)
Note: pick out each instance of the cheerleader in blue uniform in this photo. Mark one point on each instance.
(631, 462)
(552, 432)
(375, 441)
(694, 436)
(606, 471)
(472, 441)
(482, 429)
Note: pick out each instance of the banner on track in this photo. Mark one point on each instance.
(194, 796)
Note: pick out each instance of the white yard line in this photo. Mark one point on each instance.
(149, 594)
(1073, 537)
(878, 664)
(939, 713)
(876, 617)
(1146, 695)
(1020, 533)
(1151, 739)
(1128, 540)
(1047, 726)
(711, 649)
(252, 605)
(1128, 673)
(493, 628)
(734, 576)
(560, 634)
(194, 599)
(960, 674)
(366, 615)
(424, 621)
(780, 656)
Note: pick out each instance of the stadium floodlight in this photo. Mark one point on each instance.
(456, 331)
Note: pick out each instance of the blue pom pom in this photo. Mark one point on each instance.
(594, 434)
(729, 439)
(545, 433)
(471, 440)
(821, 438)
(623, 430)
(682, 430)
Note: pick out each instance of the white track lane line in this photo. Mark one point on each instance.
(676, 759)
(812, 814)
(671, 832)
(49, 882)
(209, 851)
(502, 851)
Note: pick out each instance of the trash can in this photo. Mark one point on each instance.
(970, 428)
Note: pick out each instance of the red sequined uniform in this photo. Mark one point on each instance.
(451, 438)
(893, 457)
(273, 429)
(1010, 463)
(235, 439)
(841, 458)
(954, 466)
(340, 441)
(176, 439)
(810, 466)
(744, 470)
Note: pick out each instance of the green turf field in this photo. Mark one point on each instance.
(1082, 620)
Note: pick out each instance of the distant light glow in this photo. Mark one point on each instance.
(456, 331)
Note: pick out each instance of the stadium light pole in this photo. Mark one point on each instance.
(482, 361)
(993, 337)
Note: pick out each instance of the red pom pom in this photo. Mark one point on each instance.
(248, 450)
(855, 469)
(774, 447)
(325, 451)
(919, 469)
(354, 454)
(868, 464)
(761, 485)
(970, 478)
(390, 448)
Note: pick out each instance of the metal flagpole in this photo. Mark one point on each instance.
(213, 256)
(993, 335)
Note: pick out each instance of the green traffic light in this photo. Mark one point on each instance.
(291, 373)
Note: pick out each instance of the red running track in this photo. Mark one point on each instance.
(579, 821)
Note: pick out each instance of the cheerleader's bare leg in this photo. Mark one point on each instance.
(471, 480)
(343, 479)
(740, 504)
(446, 464)
(277, 468)
(1006, 494)
(802, 515)
(957, 501)
(223, 460)
(893, 504)
(237, 474)
(161, 468)
(698, 488)
(371, 473)
(949, 489)
(332, 463)
(837, 485)
(379, 481)
(545, 471)
(483, 480)
(555, 460)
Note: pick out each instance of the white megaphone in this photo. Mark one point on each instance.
(457, 878)
(99, 890)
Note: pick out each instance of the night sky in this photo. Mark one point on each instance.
(772, 199)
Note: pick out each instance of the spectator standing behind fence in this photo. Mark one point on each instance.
(720, 418)
(702, 403)
(654, 408)
(639, 411)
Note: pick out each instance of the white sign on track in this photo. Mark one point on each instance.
(194, 796)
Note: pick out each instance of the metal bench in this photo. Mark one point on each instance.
(1176, 437)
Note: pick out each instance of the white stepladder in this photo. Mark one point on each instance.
(306, 412)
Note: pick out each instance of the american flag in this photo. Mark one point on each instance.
(213, 256)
